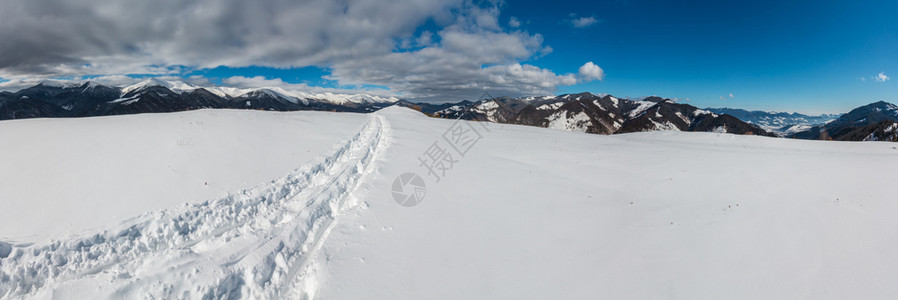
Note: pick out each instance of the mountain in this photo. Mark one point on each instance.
(780, 123)
(589, 113)
(70, 99)
(868, 122)
(582, 112)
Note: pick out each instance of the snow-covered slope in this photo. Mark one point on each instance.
(524, 213)
(530, 213)
(70, 175)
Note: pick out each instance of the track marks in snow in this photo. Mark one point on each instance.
(260, 243)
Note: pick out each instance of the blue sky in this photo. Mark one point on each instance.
(805, 56)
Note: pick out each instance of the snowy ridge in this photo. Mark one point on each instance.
(175, 86)
(65, 84)
(233, 92)
(643, 106)
(260, 243)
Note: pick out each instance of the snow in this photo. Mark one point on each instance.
(615, 101)
(891, 128)
(527, 213)
(682, 117)
(66, 84)
(642, 106)
(126, 101)
(537, 98)
(579, 122)
(259, 249)
(91, 85)
(175, 86)
(233, 92)
(551, 106)
(699, 112)
(490, 109)
(667, 125)
(103, 170)
(797, 128)
(889, 134)
(537, 214)
(487, 106)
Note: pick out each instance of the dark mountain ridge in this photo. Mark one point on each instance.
(589, 113)
(91, 99)
(583, 112)
(855, 125)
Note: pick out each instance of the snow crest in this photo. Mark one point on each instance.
(260, 243)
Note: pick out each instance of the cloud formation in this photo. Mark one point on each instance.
(881, 77)
(362, 42)
(591, 71)
(581, 22)
(730, 96)
(259, 81)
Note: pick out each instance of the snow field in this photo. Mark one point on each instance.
(252, 244)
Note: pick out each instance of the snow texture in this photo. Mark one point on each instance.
(253, 244)
(527, 213)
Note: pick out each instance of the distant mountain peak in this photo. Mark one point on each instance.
(655, 99)
(174, 86)
(855, 125)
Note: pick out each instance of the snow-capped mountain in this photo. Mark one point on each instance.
(869, 122)
(83, 99)
(781, 123)
(589, 113)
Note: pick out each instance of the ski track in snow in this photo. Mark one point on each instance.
(260, 243)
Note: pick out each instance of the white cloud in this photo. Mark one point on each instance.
(262, 82)
(357, 40)
(582, 22)
(881, 77)
(731, 95)
(514, 22)
(590, 70)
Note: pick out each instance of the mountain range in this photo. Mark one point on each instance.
(589, 113)
(55, 99)
(780, 123)
(583, 112)
(872, 122)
